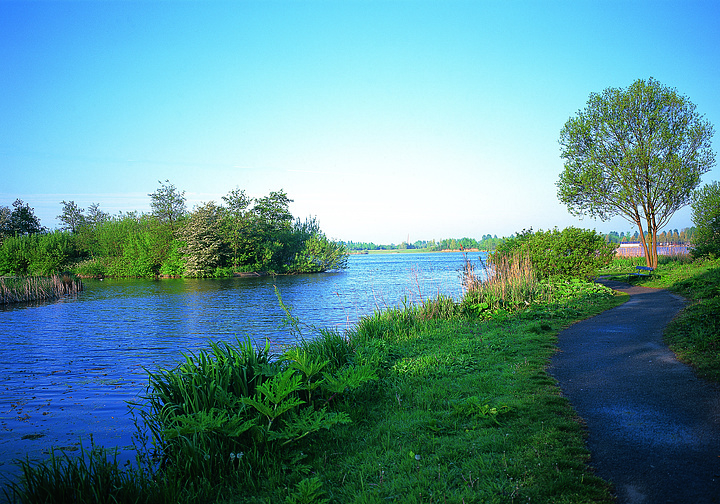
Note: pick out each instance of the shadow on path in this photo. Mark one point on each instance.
(654, 427)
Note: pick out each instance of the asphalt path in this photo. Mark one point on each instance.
(653, 425)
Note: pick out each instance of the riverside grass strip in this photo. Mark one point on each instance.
(462, 410)
(464, 413)
(36, 288)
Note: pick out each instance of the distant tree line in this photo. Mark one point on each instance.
(487, 242)
(683, 236)
(242, 234)
(492, 242)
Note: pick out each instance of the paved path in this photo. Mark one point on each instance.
(654, 427)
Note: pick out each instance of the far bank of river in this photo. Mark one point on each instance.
(417, 251)
(69, 367)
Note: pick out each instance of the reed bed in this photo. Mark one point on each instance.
(35, 288)
(506, 283)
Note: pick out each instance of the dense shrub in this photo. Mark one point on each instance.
(572, 252)
(706, 217)
(37, 254)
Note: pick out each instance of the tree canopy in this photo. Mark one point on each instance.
(637, 153)
(19, 221)
(168, 203)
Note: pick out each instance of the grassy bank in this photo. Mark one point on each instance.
(35, 288)
(444, 402)
(695, 334)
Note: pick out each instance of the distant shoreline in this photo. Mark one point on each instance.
(412, 251)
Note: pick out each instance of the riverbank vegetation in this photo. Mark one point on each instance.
(25, 289)
(243, 234)
(491, 242)
(442, 401)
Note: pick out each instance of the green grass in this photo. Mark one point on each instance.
(464, 411)
(416, 404)
(695, 334)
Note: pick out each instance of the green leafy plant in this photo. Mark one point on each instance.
(572, 252)
(706, 217)
(308, 491)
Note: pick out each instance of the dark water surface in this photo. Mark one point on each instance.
(68, 367)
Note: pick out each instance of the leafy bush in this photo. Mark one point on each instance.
(37, 254)
(233, 407)
(92, 268)
(706, 217)
(572, 252)
(319, 254)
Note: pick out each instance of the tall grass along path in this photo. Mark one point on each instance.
(654, 427)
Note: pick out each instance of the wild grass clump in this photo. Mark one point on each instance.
(507, 282)
(35, 288)
(94, 476)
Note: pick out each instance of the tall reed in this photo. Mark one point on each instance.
(504, 282)
(34, 288)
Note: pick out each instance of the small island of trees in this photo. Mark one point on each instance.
(243, 234)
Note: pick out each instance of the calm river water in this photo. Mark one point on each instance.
(68, 367)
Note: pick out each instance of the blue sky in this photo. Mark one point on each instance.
(386, 120)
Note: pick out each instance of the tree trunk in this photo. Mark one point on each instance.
(643, 239)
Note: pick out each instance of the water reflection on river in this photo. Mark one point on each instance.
(68, 367)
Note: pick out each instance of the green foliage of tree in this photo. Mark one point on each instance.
(72, 217)
(270, 240)
(487, 242)
(320, 254)
(245, 234)
(129, 245)
(236, 224)
(572, 252)
(204, 248)
(637, 153)
(706, 217)
(5, 213)
(167, 203)
(37, 254)
(19, 221)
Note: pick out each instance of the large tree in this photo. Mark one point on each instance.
(168, 204)
(19, 221)
(637, 153)
(72, 216)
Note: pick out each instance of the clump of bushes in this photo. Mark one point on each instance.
(572, 252)
(533, 267)
(706, 217)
